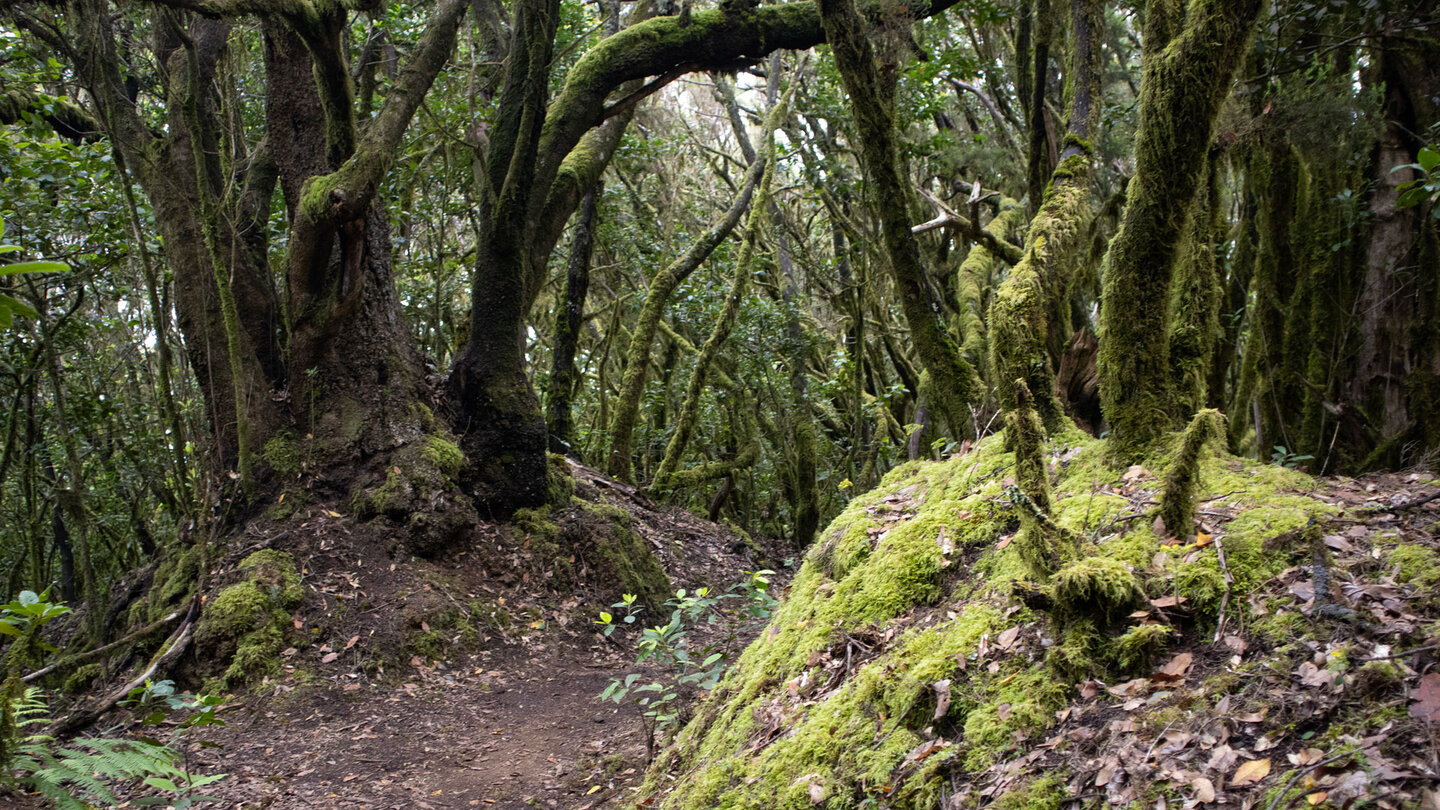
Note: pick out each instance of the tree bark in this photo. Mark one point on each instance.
(956, 386)
(1190, 58)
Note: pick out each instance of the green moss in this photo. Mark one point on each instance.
(1138, 646)
(559, 483)
(912, 570)
(444, 454)
(80, 680)
(1182, 477)
(1096, 586)
(621, 557)
(246, 622)
(283, 454)
(1419, 565)
(275, 569)
(1045, 793)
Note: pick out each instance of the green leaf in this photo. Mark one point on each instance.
(9, 307)
(1429, 158)
(162, 783)
(34, 267)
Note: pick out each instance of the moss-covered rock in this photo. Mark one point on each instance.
(904, 660)
(245, 623)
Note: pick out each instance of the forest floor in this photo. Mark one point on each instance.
(514, 721)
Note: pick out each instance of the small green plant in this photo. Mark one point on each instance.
(628, 604)
(1424, 190)
(79, 774)
(157, 701)
(668, 647)
(754, 590)
(1287, 459)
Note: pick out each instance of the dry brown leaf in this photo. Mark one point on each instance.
(1250, 772)
(1204, 789)
(329, 657)
(942, 697)
(1427, 699)
(1179, 665)
(1318, 797)
(1007, 638)
(351, 642)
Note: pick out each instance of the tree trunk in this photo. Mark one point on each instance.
(561, 384)
(1190, 58)
(956, 386)
(1039, 285)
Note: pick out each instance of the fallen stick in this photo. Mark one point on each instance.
(174, 647)
(98, 652)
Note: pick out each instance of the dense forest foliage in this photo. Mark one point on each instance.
(399, 258)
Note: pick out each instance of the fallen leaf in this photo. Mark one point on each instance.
(1107, 772)
(1308, 756)
(1316, 798)
(1007, 638)
(1179, 665)
(351, 642)
(1352, 786)
(1168, 601)
(942, 697)
(1204, 789)
(1427, 699)
(1311, 675)
(1338, 543)
(329, 657)
(593, 789)
(1250, 772)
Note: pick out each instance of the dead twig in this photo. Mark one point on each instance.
(1229, 583)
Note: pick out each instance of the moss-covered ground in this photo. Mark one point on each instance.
(917, 664)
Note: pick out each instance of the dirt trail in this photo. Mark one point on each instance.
(515, 725)
(506, 731)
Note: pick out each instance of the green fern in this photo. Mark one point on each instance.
(83, 770)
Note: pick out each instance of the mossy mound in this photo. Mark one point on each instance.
(594, 546)
(420, 491)
(246, 622)
(908, 653)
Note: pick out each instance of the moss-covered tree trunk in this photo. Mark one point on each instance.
(1191, 53)
(1195, 299)
(662, 286)
(340, 368)
(560, 385)
(1039, 285)
(956, 385)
